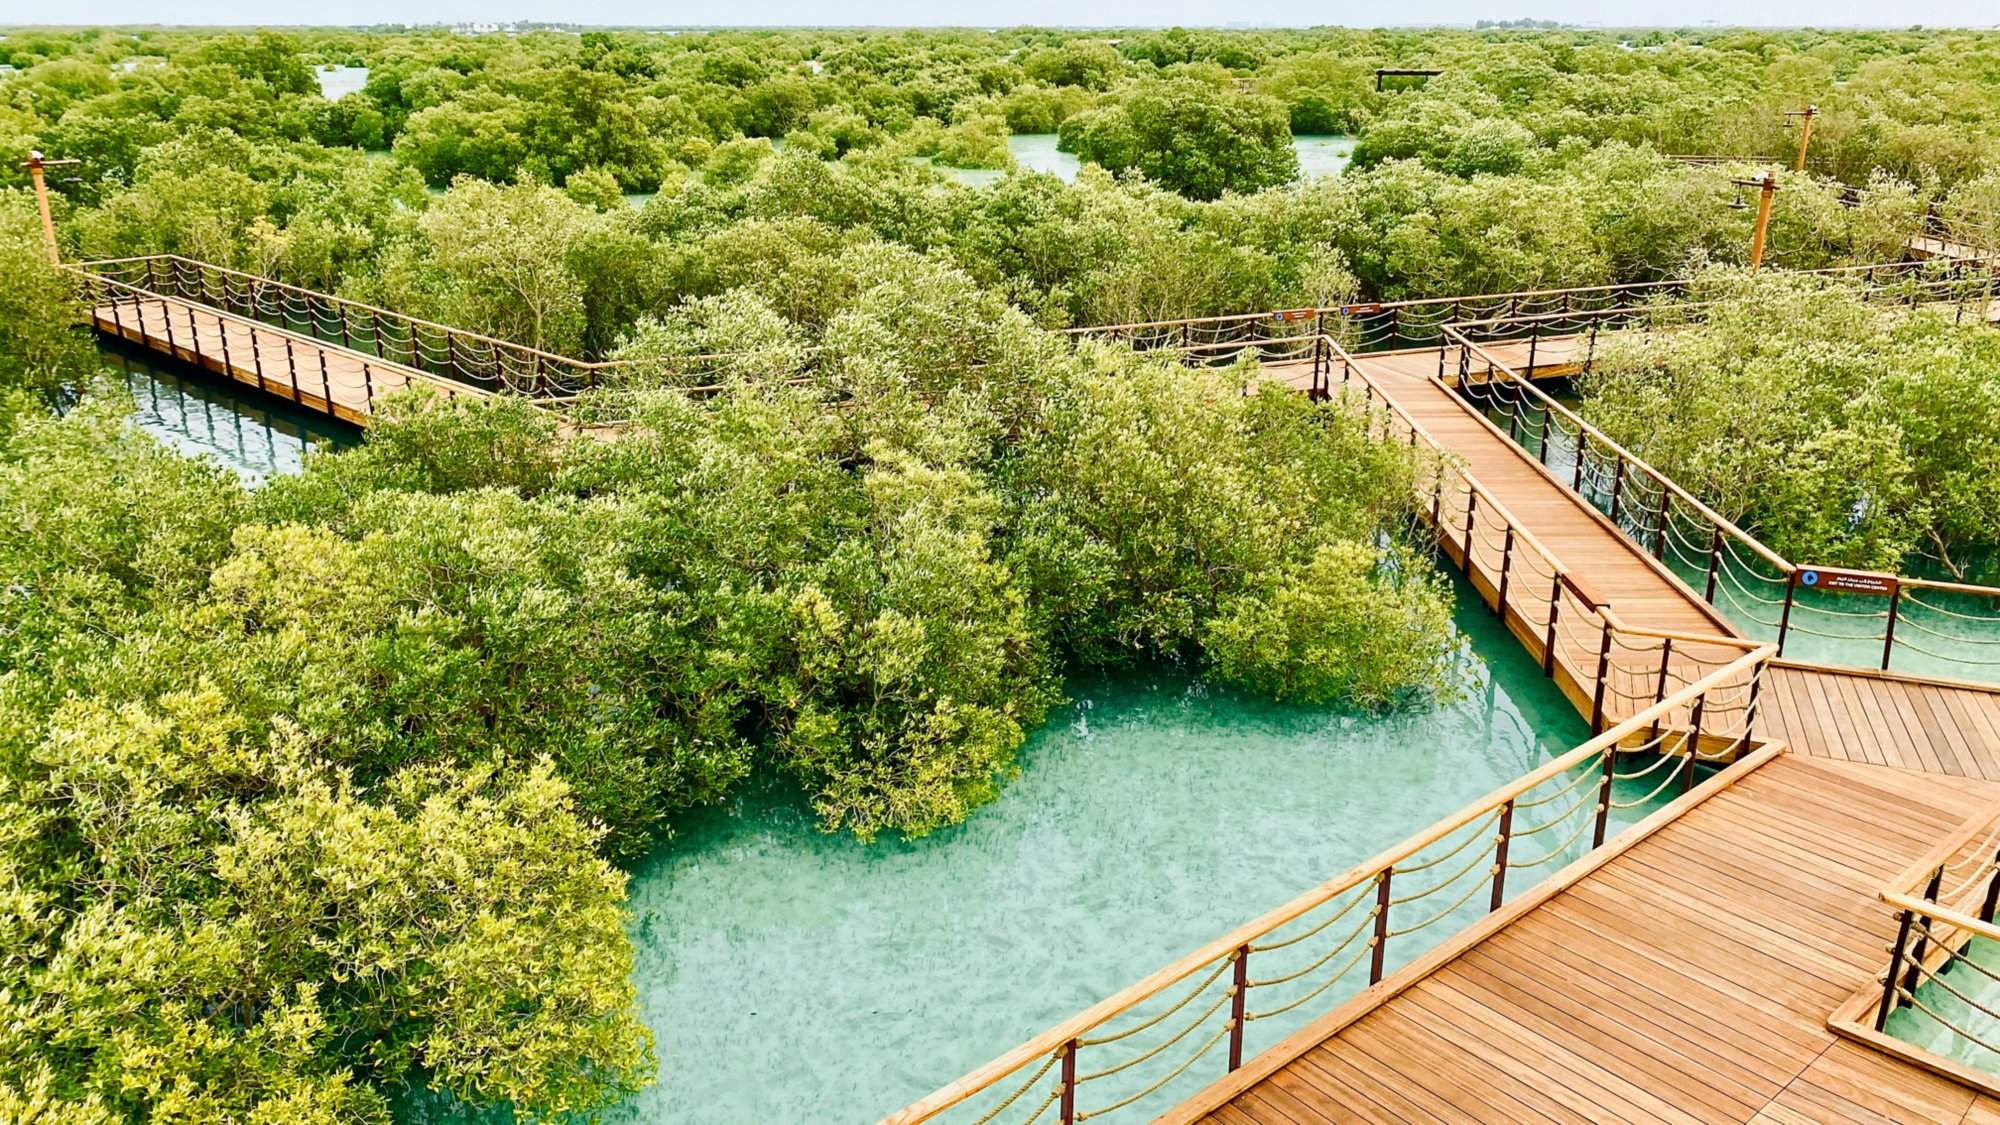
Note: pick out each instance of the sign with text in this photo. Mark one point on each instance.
(1283, 315)
(1848, 581)
(1359, 310)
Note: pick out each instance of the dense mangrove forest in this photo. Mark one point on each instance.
(322, 791)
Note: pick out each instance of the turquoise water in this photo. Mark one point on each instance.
(1979, 995)
(795, 976)
(201, 416)
(1322, 154)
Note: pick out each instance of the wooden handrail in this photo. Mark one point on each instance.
(1627, 455)
(1968, 830)
(1075, 1027)
(397, 366)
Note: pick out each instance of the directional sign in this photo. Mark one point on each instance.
(1848, 581)
(1357, 310)
(1283, 315)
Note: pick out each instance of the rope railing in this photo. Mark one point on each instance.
(1151, 1045)
(1920, 626)
(1945, 901)
(278, 360)
(455, 354)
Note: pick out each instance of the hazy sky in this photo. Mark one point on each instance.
(987, 13)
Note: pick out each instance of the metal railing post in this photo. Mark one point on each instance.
(1506, 566)
(1660, 692)
(1378, 955)
(1714, 564)
(1912, 974)
(1603, 824)
(1237, 1001)
(1785, 618)
(1694, 741)
(1617, 488)
(1603, 679)
(1582, 448)
(1549, 645)
(1660, 525)
(1068, 1107)
(1889, 633)
(1500, 856)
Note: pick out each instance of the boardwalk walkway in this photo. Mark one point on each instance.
(318, 375)
(1911, 722)
(1688, 980)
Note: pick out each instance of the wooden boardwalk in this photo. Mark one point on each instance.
(315, 374)
(1849, 715)
(1687, 980)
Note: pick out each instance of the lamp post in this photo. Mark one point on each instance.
(35, 164)
(1769, 188)
(1805, 117)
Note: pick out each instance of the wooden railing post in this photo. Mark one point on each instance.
(1377, 956)
(292, 368)
(1471, 509)
(1889, 634)
(1500, 856)
(1506, 566)
(325, 383)
(1237, 1005)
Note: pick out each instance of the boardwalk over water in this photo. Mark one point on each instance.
(1690, 971)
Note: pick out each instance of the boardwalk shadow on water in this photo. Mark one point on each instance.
(200, 415)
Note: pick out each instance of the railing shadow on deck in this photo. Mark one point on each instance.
(1145, 1049)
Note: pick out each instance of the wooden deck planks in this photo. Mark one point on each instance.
(314, 374)
(1675, 984)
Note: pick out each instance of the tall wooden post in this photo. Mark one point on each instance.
(1805, 117)
(35, 164)
(1769, 184)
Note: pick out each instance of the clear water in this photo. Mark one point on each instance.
(790, 975)
(336, 82)
(794, 976)
(202, 416)
(1322, 154)
(1978, 986)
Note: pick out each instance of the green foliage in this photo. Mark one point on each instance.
(42, 345)
(1837, 431)
(1188, 136)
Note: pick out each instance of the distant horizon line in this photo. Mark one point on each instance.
(556, 25)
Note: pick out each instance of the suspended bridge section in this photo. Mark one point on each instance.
(1800, 738)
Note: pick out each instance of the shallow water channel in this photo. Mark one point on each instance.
(790, 975)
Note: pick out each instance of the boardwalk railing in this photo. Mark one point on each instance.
(1942, 969)
(1365, 327)
(1830, 614)
(408, 342)
(287, 363)
(1144, 1049)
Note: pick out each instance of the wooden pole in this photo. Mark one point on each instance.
(35, 164)
(1770, 188)
(1806, 116)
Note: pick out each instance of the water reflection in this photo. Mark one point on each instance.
(197, 414)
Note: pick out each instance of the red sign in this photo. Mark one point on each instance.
(1848, 581)
(1283, 315)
